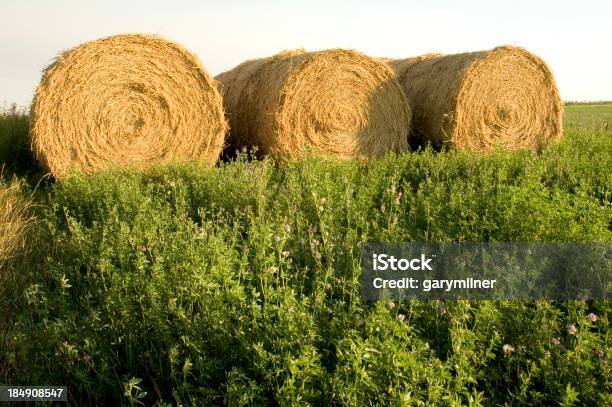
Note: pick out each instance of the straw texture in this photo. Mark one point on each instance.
(505, 97)
(126, 100)
(13, 221)
(336, 103)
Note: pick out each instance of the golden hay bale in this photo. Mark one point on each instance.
(337, 103)
(126, 100)
(505, 97)
(13, 220)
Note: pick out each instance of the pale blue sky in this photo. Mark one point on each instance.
(573, 37)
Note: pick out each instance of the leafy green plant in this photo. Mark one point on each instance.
(239, 285)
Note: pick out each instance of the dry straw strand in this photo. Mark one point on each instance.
(129, 99)
(337, 103)
(13, 221)
(502, 98)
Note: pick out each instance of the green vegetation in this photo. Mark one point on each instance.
(15, 154)
(239, 285)
(596, 117)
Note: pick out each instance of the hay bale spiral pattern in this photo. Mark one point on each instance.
(126, 100)
(503, 98)
(336, 103)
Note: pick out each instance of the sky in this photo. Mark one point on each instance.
(573, 37)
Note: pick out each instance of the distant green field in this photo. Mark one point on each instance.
(596, 117)
(239, 285)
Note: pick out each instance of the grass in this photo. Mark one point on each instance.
(596, 117)
(15, 155)
(239, 285)
(13, 220)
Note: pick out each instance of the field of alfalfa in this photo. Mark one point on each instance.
(239, 284)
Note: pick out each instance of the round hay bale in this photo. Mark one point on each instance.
(126, 100)
(505, 97)
(337, 103)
